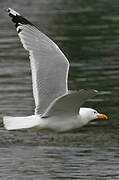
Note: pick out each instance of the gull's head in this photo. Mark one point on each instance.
(88, 114)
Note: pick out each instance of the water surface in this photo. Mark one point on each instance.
(88, 33)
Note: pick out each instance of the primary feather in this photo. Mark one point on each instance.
(49, 66)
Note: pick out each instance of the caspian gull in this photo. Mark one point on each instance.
(55, 107)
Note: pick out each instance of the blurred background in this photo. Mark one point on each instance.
(88, 34)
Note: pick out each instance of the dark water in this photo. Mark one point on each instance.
(88, 33)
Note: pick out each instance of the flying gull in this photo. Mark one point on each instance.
(55, 108)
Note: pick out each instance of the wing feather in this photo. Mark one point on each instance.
(69, 103)
(49, 66)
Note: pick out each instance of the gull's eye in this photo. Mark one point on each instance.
(95, 112)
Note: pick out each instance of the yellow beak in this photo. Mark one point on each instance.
(102, 116)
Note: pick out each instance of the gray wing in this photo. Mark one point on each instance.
(69, 103)
(49, 66)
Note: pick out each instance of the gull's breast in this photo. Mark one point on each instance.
(60, 124)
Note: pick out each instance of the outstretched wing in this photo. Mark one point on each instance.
(69, 103)
(48, 64)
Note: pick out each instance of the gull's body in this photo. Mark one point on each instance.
(55, 109)
(60, 123)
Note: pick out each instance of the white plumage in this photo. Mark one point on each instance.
(55, 109)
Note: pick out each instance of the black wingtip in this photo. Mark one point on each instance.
(8, 10)
(12, 12)
(17, 19)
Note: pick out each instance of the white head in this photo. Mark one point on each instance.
(88, 114)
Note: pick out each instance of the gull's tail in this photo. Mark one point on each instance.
(12, 123)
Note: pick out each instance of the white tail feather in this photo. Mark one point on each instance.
(12, 123)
